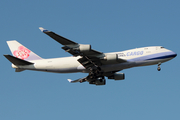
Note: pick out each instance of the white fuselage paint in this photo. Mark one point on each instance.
(134, 57)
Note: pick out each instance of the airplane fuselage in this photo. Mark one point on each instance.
(134, 58)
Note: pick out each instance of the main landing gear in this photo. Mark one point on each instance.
(159, 68)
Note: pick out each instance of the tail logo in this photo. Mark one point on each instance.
(22, 52)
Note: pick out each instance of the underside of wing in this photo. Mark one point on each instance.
(90, 80)
(78, 80)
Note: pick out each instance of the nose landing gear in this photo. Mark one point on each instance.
(159, 68)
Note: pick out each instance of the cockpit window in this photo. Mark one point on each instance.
(162, 47)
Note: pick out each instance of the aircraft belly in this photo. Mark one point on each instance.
(57, 65)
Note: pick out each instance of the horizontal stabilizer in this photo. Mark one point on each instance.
(19, 70)
(17, 61)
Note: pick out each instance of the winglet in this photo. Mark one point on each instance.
(69, 80)
(42, 29)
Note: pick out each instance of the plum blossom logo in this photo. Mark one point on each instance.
(22, 52)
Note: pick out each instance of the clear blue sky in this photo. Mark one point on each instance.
(109, 26)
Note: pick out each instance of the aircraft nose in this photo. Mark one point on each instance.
(174, 54)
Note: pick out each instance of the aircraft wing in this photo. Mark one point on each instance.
(72, 47)
(91, 59)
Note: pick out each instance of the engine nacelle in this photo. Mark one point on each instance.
(110, 58)
(117, 76)
(84, 48)
(98, 81)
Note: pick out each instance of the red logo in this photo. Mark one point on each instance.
(22, 52)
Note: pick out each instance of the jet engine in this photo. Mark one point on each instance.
(75, 49)
(98, 81)
(111, 57)
(84, 48)
(117, 76)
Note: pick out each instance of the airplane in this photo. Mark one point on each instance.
(84, 59)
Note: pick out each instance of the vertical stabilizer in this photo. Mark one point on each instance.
(20, 51)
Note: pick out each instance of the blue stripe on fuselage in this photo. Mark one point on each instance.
(163, 57)
(154, 56)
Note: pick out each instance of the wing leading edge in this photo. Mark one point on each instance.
(57, 37)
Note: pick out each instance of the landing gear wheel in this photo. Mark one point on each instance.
(159, 69)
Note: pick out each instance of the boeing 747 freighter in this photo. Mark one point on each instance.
(84, 59)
